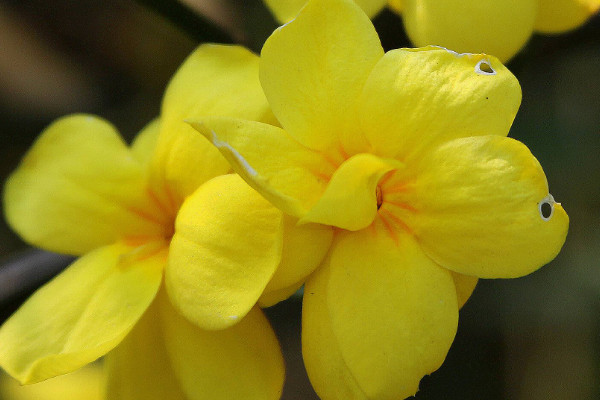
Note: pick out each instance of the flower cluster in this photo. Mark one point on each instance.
(498, 27)
(383, 182)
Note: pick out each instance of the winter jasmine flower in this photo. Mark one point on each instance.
(405, 156)
(175, 251)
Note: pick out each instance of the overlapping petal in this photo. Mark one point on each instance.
(271, 297)
(328, 372)
(213, 80)
(85, 383)
(465, 285)
(139, 367)
(480, 208)
(407, 324)
(417, 98)
(396, 5)
(289, 175)
(81, 314)
(241, 362)
(371, 7)
(144, 143)
(226, 247)
(556, 16)
(350, 200)
(313, 69)
(499, 28)
(304, 247)
(78, 188)
(285, 10)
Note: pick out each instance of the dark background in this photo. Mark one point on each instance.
(536, 337)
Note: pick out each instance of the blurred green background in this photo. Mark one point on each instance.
(532, 338)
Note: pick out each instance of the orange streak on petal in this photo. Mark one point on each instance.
(147, 216)
(401, 205)
(341, 150)
(399, 188)
(389, 229)
(397, 220)
(135, 241)
(157, 201)
(322, 176)
(373, 229)
(386, 178)
(330, 161)
(143, 252)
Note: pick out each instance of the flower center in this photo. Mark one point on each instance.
(394, 207)
(379, 195)
(142, 249)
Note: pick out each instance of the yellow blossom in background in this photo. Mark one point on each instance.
(498, 27)
(405, 156)
(164, 207)
(285, 10)
(84, 384)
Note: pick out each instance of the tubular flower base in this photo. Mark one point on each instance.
(166, 206)
(500, 27)
(405, 156)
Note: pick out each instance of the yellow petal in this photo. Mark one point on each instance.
(213, 80)
(327, 370)
(371, 7)
(417, 98)
(500, 28)
(285, 10)
(139, 367)
(78, 188)
(226, 247)
(144, 143)
(83, 384)
(389, 305)
(271, 297)
(396, 5)
(481, 209)
(465, 285)
(556, 16)
(304, 247)
(286, 173)
(81, 314)
(241, 362)
(313, 69)
(350, 200)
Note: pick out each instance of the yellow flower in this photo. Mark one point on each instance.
(405, 154)
(285, 10)
(161, 206)
(498, 27)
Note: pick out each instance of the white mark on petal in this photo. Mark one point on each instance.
(484, 67)
(454, 53)
(234, 317)
(240, 159)
(546, 207)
